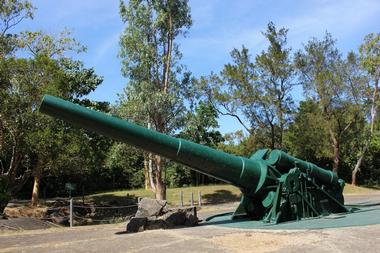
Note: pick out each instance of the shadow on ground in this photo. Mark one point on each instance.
(220, 196)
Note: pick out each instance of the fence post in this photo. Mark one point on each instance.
(181, 198)
(199, 198)
(82, 194)
(192, 199)
(71, 212)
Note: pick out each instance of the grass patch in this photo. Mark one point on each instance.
(211, 194)
(352, 189)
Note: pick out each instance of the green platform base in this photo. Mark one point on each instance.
(362, 216)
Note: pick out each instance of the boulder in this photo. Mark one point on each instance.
(136, 225)
(154, 214)
(148, 207)
(155, 224)
(175, 217)
(191, 220)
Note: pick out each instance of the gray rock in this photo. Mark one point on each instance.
(191, 220)
(154, 214)
(156, 224)
(148, 207)
(176, 217)
(136, 225)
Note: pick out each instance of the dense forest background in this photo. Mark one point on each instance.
(316, 103)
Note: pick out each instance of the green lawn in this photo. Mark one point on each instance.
(210, 194)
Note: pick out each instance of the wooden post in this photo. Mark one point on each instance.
(192, 199)
(82, 194)
(71, 212)
(181, 198)
(199, 198)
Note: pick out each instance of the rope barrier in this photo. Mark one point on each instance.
(96, 207)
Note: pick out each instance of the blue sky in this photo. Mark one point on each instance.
(218, 27)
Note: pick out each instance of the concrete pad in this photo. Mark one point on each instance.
(107, 238)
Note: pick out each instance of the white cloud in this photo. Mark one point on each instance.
(106, 48)
(341, 18)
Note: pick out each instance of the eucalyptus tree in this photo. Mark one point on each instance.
(12, 177)
(30, 142)
(370, 62)
(56, 74)
(157, 82)
(336, 85)
(257, 92)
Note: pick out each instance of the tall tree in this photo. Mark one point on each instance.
(51, 75)
(29, 142)
(370, 61)
(258, 90)
(150, 56)
(335, 84)
(12, 12)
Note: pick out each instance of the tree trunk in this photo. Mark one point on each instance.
(146, 174)
(3, 205)
(336, 148)
(355, 172)
(336, 157)
(168, 54)
(4, 196)
(358, 165)
(36, 190)
(273, 138)
(372, 123)
(160, 184)
(4, 199)
(37, 174)
(1, 136)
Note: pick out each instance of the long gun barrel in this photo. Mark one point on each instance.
(264, 179)
(239, 171)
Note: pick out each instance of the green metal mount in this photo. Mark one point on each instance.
(275, 186)
(294, 195)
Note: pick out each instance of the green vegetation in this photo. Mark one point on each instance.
(211, 194)
(335, 123)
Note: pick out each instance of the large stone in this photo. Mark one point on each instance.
(155, 224)
(191, 220)
(176, 217)
(136, 225)
(148, 207)
(154, 214)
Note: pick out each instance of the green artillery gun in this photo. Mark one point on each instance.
(275, 186)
